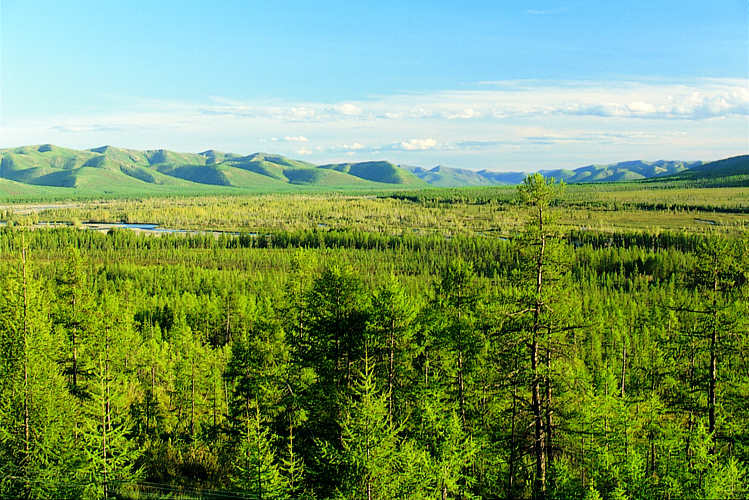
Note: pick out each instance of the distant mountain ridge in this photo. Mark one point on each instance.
(624, 171)
(114, 170)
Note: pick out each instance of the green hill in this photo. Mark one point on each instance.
(624, 171)
(18, 191)
(114, 170)
(378, 171)
(441, 176)
(732, 172)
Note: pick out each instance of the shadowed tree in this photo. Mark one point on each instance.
(391, 326)
(718, 312)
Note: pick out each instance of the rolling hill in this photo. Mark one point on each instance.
(441, 176)
(116, 171)
(626, 171)
(379, 171)
(732, 171)
(124, 171)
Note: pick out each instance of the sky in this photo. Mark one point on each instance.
(505, 85)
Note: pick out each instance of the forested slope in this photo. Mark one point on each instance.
(728, 173)
(322, 364)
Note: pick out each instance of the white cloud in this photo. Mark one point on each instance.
(300, 138)
(348, 109)
(303, 151)
(347, 148)
(303, 112)
(354, 146)
(684, 105)
(112, 127)
(641, 107)
(465, 114)
(416, 145)
(700, 100)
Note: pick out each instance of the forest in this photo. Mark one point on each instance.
(537, 342)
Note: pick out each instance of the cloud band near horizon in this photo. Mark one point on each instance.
(515, 125)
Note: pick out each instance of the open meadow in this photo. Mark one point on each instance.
(458, 211)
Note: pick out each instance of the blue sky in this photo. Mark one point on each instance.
(511, 85)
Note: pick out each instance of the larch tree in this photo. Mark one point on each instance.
(374, 460)
(258, 371)
(38, 452)
(391, 326)
(337, 326)
(717, 279)
(540, 278)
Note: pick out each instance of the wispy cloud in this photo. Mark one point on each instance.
(96, 128)
(348, 109)
(694, 106)
(299, 138)
(626, 100)
(667, 101)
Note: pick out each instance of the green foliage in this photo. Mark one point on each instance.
(374, 462)
(440, 431)
(355, 360)
(38, 457)
(255, 469)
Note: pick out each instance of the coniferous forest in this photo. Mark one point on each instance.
(554, 363)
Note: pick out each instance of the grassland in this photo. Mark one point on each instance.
(468, 211)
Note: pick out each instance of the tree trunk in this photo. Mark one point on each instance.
(549, 412)
(391, 369)
(461, 383)
(511, 475)
(227, 334)
(214, 405)
(106, 422)
(461, 389)
(106, 381)
(26, 396)
(75, 353)
(624, 366)
(711, 397)
(192, 397)
(539, 444)
(539, 447)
